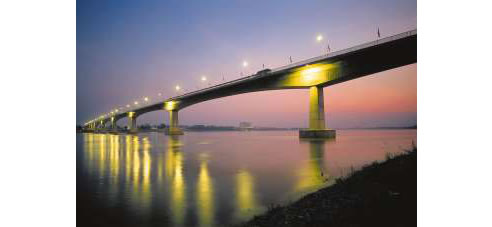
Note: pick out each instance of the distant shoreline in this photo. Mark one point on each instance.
(211, 128)
(410, 127)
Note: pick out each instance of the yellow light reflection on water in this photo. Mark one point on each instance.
(146, 164)
(312, 175)
(246, 205)
(128, 158)
(102, 153)
(114, 167)
(174, 172)
(89, 149)
(136, 163)
(114, 156)
(146, 159)
(205, 195)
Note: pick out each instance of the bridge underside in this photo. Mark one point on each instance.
(363, 60)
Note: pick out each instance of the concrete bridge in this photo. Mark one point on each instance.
(313, 74)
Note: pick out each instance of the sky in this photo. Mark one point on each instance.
(127, 50)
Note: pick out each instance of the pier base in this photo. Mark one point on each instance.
(317, 133)
(174, 131)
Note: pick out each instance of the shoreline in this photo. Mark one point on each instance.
(379, 194)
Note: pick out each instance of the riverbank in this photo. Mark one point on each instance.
(380, 194)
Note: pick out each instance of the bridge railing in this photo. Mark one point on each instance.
(351, 49)
(289, 66)
(307, 61)
(297, 64)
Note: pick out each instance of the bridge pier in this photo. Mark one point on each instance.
(99, 126)
(316, 116)
(173, 128)
(132, 122)
(113, 124)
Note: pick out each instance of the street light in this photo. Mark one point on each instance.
(128, 106)
(178, 88)
(136, 103)
(245, 63)
(146, 99)
(204, 78)
(319, 38)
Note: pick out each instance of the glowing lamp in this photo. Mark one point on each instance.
(171, 105)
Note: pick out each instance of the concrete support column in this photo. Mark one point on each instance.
(113, 124)
(317, 128)
(132, 122)
(316, 108)
(100, 125)
(173, 128)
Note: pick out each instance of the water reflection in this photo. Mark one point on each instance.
(312, 175)
(174, 172)
(135, 178)
(205, 194)
(145, 193)
(128, 159)
(89, 150)
(102, 154)
(114, 167)
(157, 180)
(246, 205)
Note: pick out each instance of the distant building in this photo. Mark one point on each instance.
(245, 125)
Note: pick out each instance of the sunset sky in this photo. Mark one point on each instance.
(127, 50)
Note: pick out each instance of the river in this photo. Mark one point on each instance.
(213, 178)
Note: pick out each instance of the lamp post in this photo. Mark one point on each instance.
(204, 80)
(245, 64)
(319, 39)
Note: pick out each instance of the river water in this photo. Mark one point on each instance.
(213, 178)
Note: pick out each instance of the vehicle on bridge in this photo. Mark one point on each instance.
(313, 74)
(263, 72)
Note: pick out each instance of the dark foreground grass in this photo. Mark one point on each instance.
(380, 194)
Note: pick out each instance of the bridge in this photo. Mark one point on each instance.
(313, 74)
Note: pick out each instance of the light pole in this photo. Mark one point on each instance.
(245, 64)
(319, 39)
(204, 80)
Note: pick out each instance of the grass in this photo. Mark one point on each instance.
(379, 194)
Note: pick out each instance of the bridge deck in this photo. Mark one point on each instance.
(233, 87)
